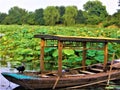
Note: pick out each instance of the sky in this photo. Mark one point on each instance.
(32, 5)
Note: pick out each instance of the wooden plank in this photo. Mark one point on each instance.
(74, 75)
(51, 72)
(86, 85)
(44, 76)
(87, 72)
(74, 72)
(116, 65)
(96, 69)
(77, 38)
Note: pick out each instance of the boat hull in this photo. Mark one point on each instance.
(61, 82)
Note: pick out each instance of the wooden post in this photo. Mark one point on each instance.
(42, 55)
(105, 54)
(60, 46)
(84, 55)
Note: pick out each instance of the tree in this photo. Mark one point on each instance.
(116, 17)
(51, 15)
(39, 17)
(30, 18)
(16, 15)
(70, 15)
(2, 17)
(61, 10)
(112, 20)
(80, 19)
(96, 12)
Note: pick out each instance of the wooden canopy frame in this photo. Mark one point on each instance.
(84, 40)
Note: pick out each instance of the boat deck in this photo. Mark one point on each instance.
(90, 70)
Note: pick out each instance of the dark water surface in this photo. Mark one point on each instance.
(6, 85)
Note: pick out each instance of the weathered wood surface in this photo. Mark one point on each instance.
(68, 79)
(77, 38)
(116, 65)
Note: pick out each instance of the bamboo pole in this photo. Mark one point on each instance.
(89, 84)
(60, 46)
(84, 55)
(42, 55)
(56, 82)
(110, 69)
(105, 54)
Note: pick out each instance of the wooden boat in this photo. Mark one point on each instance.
(71, 78)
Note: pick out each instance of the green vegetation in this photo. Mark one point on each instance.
(51, 15)
(18, 45)
(94, 13)
(19, 26)
(69, 16)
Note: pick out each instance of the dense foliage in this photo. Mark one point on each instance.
(51, 15)
(70, 15)
(94, 13)
(18, 45)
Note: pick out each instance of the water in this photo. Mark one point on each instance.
(4, 83)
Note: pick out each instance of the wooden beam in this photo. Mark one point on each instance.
(84, 55)
(105, 54)
(60, 46)
(87, 72)
(42, 55)
(96, 69)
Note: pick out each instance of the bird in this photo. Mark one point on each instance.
(20, 68)
(65, 70)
